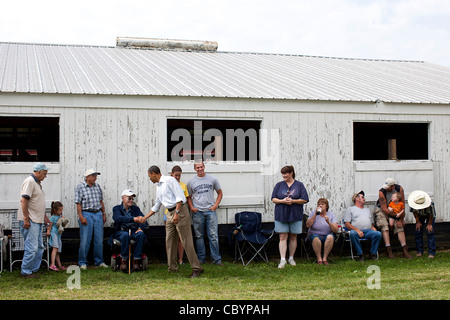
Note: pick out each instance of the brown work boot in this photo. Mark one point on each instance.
(136, 266)
(405, 253)
(124, 266)
(389, 252)
(196, 273)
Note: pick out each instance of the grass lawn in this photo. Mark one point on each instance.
(344, 279)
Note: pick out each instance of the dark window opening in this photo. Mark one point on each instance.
(29, 139)
(219, 140)
(378, 141)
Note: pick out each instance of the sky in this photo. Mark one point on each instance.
(369, 29)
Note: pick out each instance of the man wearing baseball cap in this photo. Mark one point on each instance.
(359, 220)
(91, 214)
(423, 210)
(382, 215)
(31, 216)
(128, 216)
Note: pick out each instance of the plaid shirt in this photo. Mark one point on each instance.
(89, 197)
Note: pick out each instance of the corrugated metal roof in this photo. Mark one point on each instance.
(73, 69)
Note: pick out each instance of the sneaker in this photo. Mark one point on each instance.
(83, 267)
(103, 265)
(292, 262)
(282, 264)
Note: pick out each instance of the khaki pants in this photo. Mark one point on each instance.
(182, 230)
(382, 221)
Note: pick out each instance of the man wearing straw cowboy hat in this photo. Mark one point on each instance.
(423, 209)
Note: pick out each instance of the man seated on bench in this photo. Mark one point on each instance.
(128, 216)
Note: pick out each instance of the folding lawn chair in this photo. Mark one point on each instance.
(250, 240)
(16, 241)
(346, 234)
(3, 242)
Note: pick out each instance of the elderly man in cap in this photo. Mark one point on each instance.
(31, 216)
(423, 209)
(91, 214)
(127, 217)
(382, 214)
(359, 220)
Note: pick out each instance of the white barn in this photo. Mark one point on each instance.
(344, 124)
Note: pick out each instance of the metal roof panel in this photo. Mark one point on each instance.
(73, 69)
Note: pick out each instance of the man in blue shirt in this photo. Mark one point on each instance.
(128, 216)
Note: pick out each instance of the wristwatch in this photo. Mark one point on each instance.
(177, 211)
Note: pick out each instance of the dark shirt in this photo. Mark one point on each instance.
(125, 219)
(294, 212)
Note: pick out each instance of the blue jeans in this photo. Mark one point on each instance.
(93, 229)
(430, 236)
(34, 247)
(208, 219)
(369, 234)
(124, 239)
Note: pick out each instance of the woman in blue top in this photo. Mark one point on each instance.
(289, 197)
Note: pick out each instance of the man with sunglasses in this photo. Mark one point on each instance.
(128, 216)
(359, 220)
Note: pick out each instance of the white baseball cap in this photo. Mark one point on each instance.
(90, 172)
(388, 182)
(128, 193)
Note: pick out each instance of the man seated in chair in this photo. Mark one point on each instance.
(128, 216)
(359, 220)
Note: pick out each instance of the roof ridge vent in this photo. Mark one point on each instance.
(166, 44)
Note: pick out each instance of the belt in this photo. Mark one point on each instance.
(91, 210)
(173, 208)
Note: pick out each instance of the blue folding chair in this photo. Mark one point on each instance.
(250, 239)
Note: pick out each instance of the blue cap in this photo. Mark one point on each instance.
(39, 166)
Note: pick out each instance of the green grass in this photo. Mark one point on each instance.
(345, 279)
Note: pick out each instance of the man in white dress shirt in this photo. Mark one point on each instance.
(171, 196)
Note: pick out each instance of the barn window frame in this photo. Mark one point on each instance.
(29, 138)
(391, 140)
(229, 131)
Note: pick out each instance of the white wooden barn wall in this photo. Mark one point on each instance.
(122, 142)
